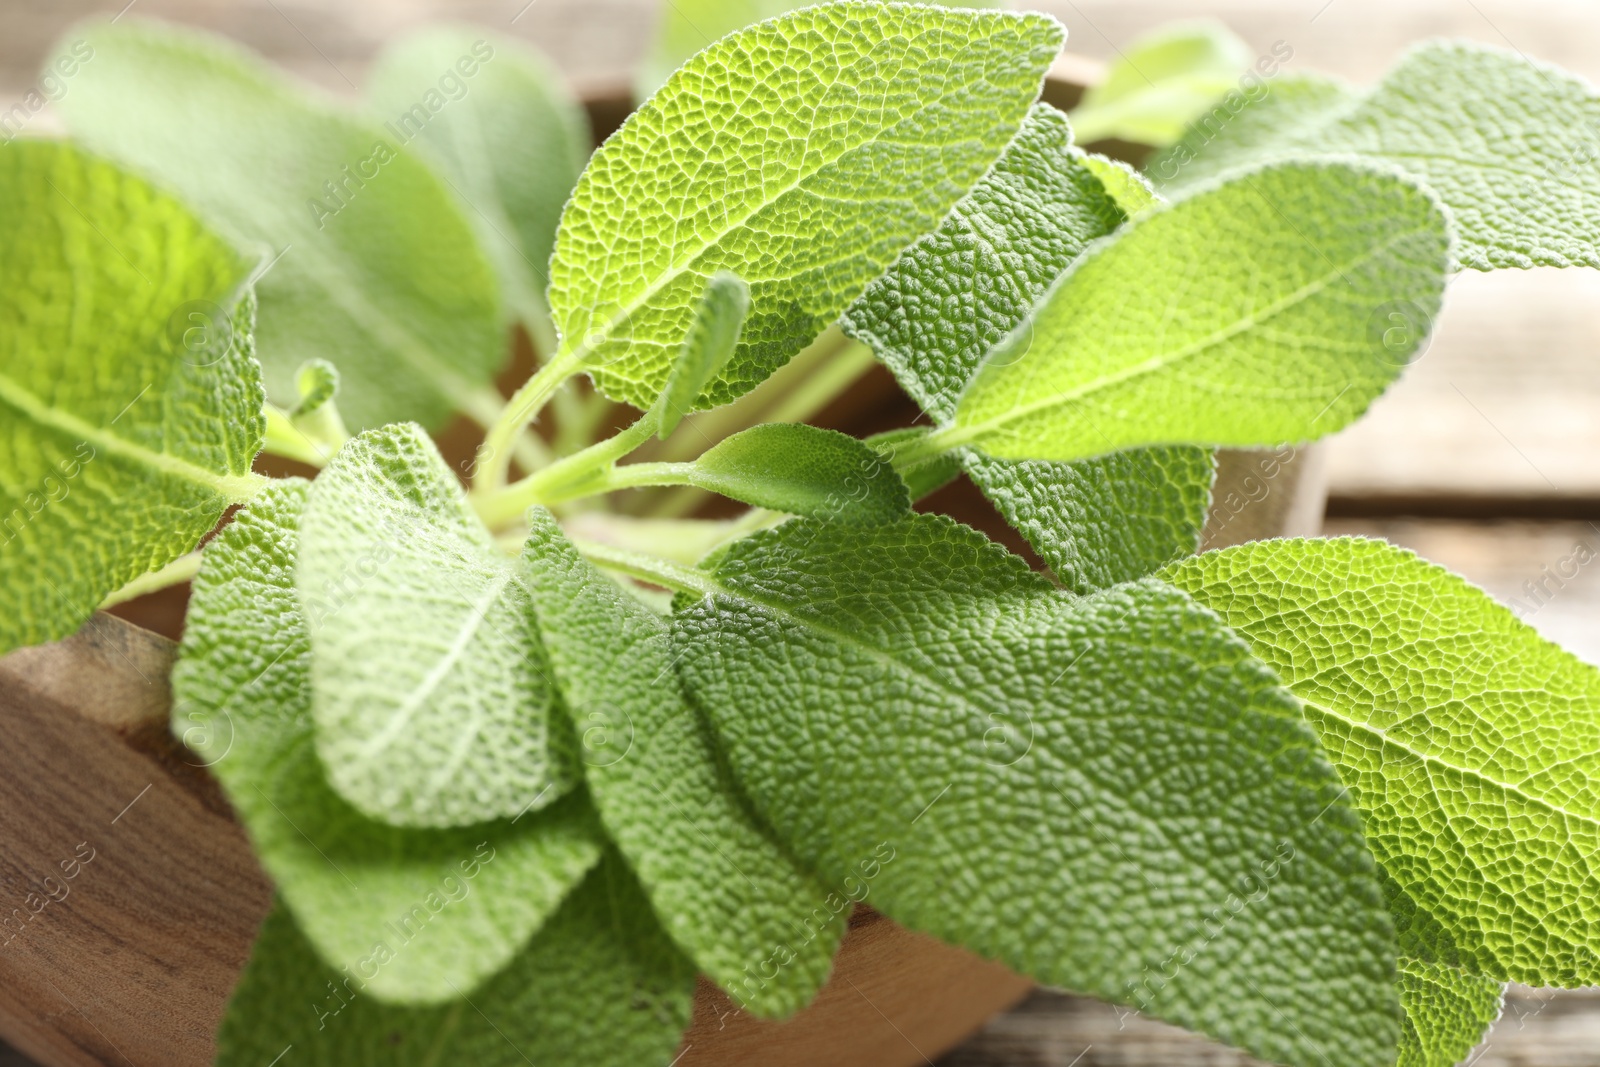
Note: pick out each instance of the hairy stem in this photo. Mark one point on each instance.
(581, 474)
(518, 414)
(648, 568)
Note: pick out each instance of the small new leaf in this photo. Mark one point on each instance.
(804, 470)
(753, 921)
(1246, 315)
(422, 915)
(130, 404)
(430, 688)
(706, 350)
(600, 984)
(317, 381)
(801, 154)
(1094, 790)
(1469, 742)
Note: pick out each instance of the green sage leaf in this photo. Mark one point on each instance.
(130, 404)
(1447, 1013)
(600, 984)
(1469, 743)
(1161, 82)
(422, 915)
(1094, 790)
(754, 922)
(430, 688)
(784, 154)
(710, 344)
(804, 470)
(505, 134)
(1251, 314)
(372, 264)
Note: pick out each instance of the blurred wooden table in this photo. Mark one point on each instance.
(1484, 458)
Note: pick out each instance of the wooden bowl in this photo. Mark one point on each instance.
(132, 958)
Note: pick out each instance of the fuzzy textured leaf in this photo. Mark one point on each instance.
(376, 268)
(804, 470)
(1447, 1013)
(130, 404)
(430, 689)
(1504, 141)
(502, 129)
(1244, 316)
(754, 922)
(1251, 129)
(706, 350)
(1471, 744)
(1162, 81)
(600, 985)
(802, 155)
(448, 907)
(1102, 522)
(1077, 787)
(1131, 190)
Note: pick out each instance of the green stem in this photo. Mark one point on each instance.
(287, 441)
(648, 568)
(180, 570)
(579, 474)
(518, 414)
(928, 448)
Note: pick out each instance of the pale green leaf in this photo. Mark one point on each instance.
(453, 906)
(430, 689)
(600, 985)
(1251, 129)
(1162, 81)
(706, 350)
(1506, 142)
(317, 381)
(1086, 789)
(687, 26)
(955, 293)
(1130, 189)
(1101, 522)
(373, 265)
(804, 470)
(130, 404)
(802, 155)
(1246, 315)
(1447, 1012)
(504, 132)
(1470, 743)
(754, 922)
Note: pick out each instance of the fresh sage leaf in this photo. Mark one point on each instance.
(710, 344)
(687, 26)
(1250, 314)
(1469, 743)
(422, 916)
(318, 383)
(505, 134)
(1506, 142)
(804, 470)
(372, 265)
(600, 984)
(1101, 522)
(1161, 82)
(456, 721)
(1447, 1012)
(1097, 791)
(924, 478)
(130, 403)
(1131, 190)
(758, 925)
(802, 155)
(1253, 131)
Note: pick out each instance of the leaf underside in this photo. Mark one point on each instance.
(454, 906)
